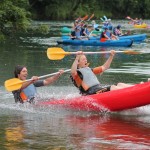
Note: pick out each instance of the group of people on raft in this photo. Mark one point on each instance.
(84, 31)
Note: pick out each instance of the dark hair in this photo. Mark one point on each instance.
(119, 26)
(85, 26)
(18, 69)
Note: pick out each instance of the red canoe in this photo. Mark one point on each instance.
(123, 99)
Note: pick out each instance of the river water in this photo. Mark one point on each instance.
(26, 127)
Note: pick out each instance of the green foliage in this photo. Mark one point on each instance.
(13, 16)
(38, 29)
(115, 9)
(2, 37)
(43, 29)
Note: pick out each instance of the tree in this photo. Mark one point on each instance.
(13, 16)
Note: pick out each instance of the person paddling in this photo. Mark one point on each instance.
(118, 32)
(27, 92)
(85, 78)
(107, 35)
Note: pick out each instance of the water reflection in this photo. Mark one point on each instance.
(14, 136)
(109, 133)
(88, 131)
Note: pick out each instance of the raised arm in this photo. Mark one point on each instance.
(107, 64)
(75, 64)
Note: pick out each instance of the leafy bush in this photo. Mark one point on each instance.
(43, 29)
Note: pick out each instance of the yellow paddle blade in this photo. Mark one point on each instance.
(56, 53)
(131, 52)
(13, 84)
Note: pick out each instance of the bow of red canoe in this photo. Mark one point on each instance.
(118, 100)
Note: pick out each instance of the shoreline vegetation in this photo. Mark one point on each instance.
(17, 16)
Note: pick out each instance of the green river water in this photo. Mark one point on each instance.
(25, 127)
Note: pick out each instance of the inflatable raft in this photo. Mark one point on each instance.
(117, 43)
(117, 100)
(144, 25)
(134, 37)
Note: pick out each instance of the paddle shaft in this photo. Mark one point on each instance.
(105, 52)
(91, 17)
(58, 53)
(48, 75)
(15, 83)
(85, 19)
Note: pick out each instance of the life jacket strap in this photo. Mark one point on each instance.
(98, 89)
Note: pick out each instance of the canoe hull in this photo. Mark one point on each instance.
(134, 37)
(141, 26)
(117, 43)
(118, 100)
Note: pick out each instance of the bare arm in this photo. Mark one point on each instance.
(25, 84)
(53, 78)
(107, 36)
(75, 64)
(107, 64)
(115, 37)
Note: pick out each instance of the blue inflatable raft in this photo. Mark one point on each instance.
(134, 37)
(122, 43)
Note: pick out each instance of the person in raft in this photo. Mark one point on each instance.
(118, 32)
(28, 92)
(107, 35)
(84, 78)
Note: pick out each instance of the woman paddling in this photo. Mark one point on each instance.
(27, 92)
(85, 78)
